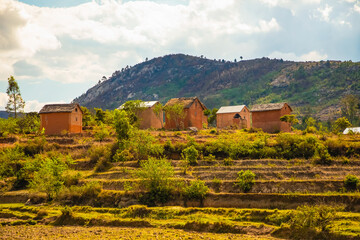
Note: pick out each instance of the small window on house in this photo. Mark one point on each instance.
(76, 119)
(237, 116)
(195, 103)
(76, 111)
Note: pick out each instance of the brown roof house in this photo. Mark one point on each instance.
(60, 118)
(233, 116)
(148, 115)
(182, 113)
(267, 117)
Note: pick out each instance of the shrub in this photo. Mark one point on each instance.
(35, 146)
(351, 182)
(99, 152)
(279, 218)
(217, 184)
(102, 165)
(245, 180)
(49, 178)
(190, 154)
(196, 190)
(123, 156)
(155, 176)
(71, 179)
(136, 211)
(80, 194)
(322, 155)
(228, 162)
(313, 217)
(143, 144)
(101, 132)
(210, 158)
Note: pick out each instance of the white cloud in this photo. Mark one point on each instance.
(310, 56)
(43, 37)
(3, 100)
(35, 105)
(357, 7)
(324, 13)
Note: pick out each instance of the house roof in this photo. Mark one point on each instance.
(268, 107)
(59, 108)
(143, 104)
(186, 101)
(230, 109)
(353, 129)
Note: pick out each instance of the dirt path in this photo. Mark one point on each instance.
(82, 233)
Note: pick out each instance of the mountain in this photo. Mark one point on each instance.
(311, 87)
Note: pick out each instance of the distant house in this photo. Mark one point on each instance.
(267, 117)
(147, 116)
(193, 113)
(60, 118)
(355, 130)
(233, 116)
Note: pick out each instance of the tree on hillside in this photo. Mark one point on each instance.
(132, 108)
(340, 124)
(15, 103)
(289, 119)
(350, 108)
(158, 113)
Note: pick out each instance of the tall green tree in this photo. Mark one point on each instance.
(350, 108)
(15, 103)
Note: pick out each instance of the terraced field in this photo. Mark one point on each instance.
(281, 185)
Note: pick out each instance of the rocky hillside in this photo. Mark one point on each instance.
(310, 86)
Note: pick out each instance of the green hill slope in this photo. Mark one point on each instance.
(318, 86)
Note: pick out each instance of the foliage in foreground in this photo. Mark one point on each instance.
(245, 180)
(155, 175)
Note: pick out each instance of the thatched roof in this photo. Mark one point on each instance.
(230, 109)
(268, 107)
(59, 108)
(185, 101)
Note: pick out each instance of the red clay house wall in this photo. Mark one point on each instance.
(269, 121)
(224, 120)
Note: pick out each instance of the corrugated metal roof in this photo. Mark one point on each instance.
(186, 101)
(230, 109)
(268, 107)
(148, 104)
(56, 108)
(353, 129)
(143, 104)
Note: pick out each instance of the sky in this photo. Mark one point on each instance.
(56, 50)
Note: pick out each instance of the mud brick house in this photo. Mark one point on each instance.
(147, 116)
(267, 117)
(58, 118)
(233, 116)
(192, 113)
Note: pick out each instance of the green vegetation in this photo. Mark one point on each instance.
(155, 175)
(126, 166)
(196, 190)
(245, 180)
(190, 155)
(351, 182)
